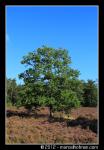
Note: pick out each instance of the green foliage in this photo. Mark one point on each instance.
(9, 104)
(70, 99)
(90, 93)
(46, 78)
(27, 97)
(11, 91)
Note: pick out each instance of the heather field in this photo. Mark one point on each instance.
(37, 127)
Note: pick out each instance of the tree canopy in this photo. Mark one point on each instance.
(49, 80)
(48, 77)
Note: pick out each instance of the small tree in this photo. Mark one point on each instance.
(47, 79)
(90, 93)
(11, 89)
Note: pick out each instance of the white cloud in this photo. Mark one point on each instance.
(7, 37)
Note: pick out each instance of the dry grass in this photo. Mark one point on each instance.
(24, 128)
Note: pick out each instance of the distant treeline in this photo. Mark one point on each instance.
(50, 81)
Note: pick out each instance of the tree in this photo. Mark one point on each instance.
(77, 87)
(11, 91)
(47, 79)
(90, 93)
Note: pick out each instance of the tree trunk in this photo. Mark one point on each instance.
(51, 114)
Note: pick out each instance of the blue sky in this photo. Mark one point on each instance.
(74, 28)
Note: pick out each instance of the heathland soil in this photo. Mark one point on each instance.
(37, 127)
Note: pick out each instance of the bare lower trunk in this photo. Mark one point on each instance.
(51, 114)
(29, 110)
